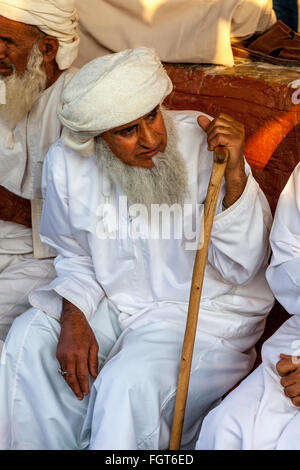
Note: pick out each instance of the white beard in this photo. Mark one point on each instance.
(165, 183)
(22, 92)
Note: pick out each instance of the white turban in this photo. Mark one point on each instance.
(111, 91)
(54, 17)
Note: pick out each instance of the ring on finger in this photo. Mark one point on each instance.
(62, 372)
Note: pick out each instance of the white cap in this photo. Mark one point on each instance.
(111, 91)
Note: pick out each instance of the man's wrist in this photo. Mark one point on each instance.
(235, 184)
(70, 310)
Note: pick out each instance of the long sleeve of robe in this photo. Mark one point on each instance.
(76, 280)
(283, 273)
(145, 275)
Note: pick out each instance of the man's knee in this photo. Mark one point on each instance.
(30, 325)
(220, 422)
(22, 322)
(137, 373)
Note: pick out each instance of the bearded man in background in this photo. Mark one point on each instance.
(38, 44)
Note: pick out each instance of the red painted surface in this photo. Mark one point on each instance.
(263, 105)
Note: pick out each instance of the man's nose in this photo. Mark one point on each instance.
(148, 138)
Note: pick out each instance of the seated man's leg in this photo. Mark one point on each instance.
(277, 414)
(229, 426)
(38, 410)
(258, 415)
(18, 278)
(132, 400)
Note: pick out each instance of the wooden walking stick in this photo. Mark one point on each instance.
(221, 155)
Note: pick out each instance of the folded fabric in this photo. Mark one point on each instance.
(190, 31)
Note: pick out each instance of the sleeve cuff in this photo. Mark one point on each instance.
(49, 298)
(245, 201)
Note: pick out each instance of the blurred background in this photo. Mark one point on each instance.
(287, 11)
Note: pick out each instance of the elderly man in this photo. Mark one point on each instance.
(99, 214)
(38, 43)
(263, 412)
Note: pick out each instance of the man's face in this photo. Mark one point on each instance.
(165, 182)
(16, 42)
(137, 142)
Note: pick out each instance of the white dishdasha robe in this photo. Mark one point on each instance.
(145, 286)
(21, 173)
(181, 31)
(258, 415)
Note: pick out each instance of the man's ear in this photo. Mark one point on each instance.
(48, 46)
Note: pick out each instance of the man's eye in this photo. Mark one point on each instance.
(127, 132)
(7, 40)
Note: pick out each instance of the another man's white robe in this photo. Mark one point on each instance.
(258, 415)
(20, 173)
(190, 31)
(140, 332)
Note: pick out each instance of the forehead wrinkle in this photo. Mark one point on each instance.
(15, 30)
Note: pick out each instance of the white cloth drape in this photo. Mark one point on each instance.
(190, 31)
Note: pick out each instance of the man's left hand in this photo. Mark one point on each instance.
(289, 369)
(224, 130)
(77, 349)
